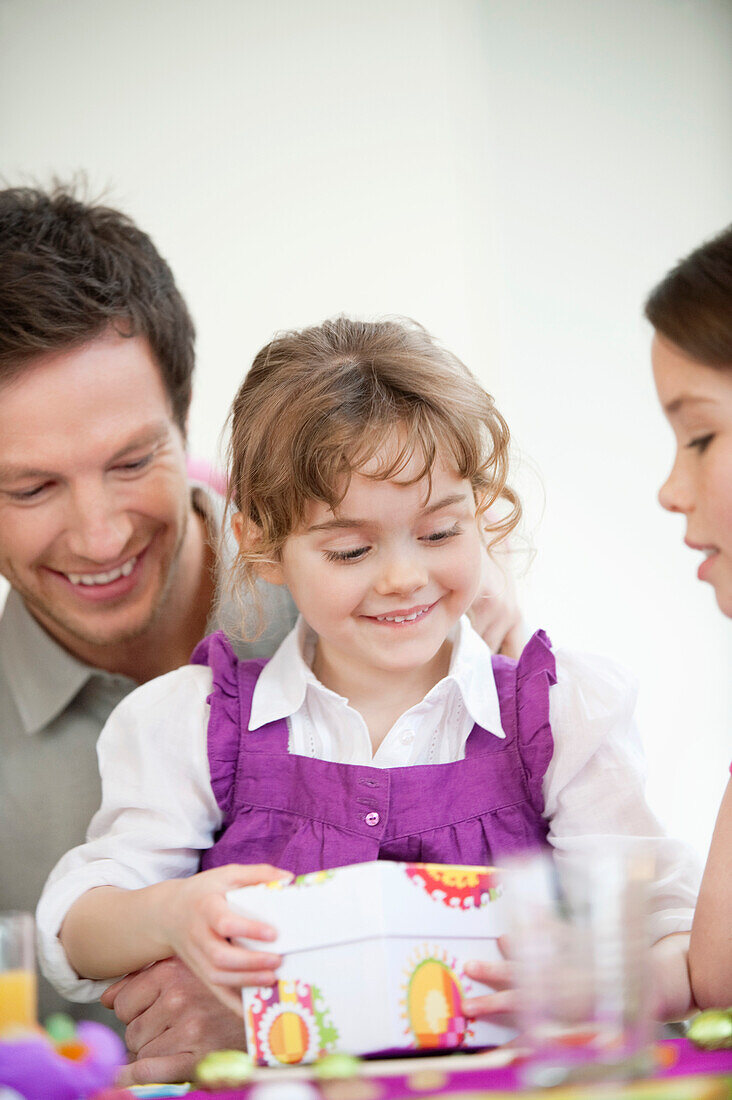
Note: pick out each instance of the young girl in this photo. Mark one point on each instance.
(691, 311)
(363, 460)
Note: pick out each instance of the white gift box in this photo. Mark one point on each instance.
(373, 960)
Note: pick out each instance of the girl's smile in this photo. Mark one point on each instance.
(402, 617)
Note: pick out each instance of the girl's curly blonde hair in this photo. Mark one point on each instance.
(320, 403)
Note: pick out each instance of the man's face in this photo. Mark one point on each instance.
(93, 492)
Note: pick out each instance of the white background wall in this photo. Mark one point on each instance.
(515, 174)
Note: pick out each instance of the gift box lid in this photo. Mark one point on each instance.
(378, 899)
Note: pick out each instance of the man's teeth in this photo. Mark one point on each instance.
(400, 618)
(103, 578)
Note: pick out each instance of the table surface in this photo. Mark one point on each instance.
(683, 1073)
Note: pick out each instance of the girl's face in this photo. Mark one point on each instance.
(698, 403)
(383, 579)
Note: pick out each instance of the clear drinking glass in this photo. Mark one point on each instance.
(18, 990)
(580, 938)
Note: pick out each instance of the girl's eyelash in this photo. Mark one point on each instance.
(346, 555)
(701, 443)
(358, 552)
(440, 536)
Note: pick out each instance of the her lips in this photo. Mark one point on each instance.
(408, 617)
(399, 618)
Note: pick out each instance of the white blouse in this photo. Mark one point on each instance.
(159, 812)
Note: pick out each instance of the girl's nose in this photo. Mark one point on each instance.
(401, 575)
(675, 495)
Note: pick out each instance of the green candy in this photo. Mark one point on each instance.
(712, 1030)
(337, 1066)
(224, 1069)
(60, 1027)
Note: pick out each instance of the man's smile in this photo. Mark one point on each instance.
(103, 578)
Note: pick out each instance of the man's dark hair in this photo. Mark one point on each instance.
(692, 305)
(70, 270)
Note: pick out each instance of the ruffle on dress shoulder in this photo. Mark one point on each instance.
(536, 672)
(226, 719)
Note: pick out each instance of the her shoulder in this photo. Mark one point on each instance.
(164, 700)
(590, 685)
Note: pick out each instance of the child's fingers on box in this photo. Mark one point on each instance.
(242, 960)
(261, 960)
(498, 975)
(226, 956)
(244, 874)
(231, 926)
(237, 978)
(495, 1005)
(259, 977)
(505, 946)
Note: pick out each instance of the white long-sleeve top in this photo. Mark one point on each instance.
(159, 812)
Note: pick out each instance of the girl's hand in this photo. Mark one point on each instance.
(500, 1005)
(199, 927)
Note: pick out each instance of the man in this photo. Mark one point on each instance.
(105, 545)
(109, 551)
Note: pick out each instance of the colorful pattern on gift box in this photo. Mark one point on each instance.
(456, 887)
(432, 1003)
(290, 1024)
(313, 878)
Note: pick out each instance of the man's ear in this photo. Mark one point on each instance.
(247, 534)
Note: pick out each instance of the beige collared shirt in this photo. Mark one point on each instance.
(52, 710)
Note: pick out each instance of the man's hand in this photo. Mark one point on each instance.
(172, 1020)
(495, 613)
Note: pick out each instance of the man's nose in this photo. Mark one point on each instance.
(99, 529)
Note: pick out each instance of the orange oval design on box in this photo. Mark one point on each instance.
(288, 1038)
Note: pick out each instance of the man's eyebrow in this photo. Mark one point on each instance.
(685, 399)
(146, 438)
(347, 522)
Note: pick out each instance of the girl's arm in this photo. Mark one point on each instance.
(109, 931)
(670, 975)
(158, 810)
(594, 794)
(710, 954)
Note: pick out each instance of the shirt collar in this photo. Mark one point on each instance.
(471, 670)
(281, 688)
(25, 647)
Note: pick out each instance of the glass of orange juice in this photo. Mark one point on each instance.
(18, 996)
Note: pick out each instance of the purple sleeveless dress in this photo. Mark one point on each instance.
(304, 815)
